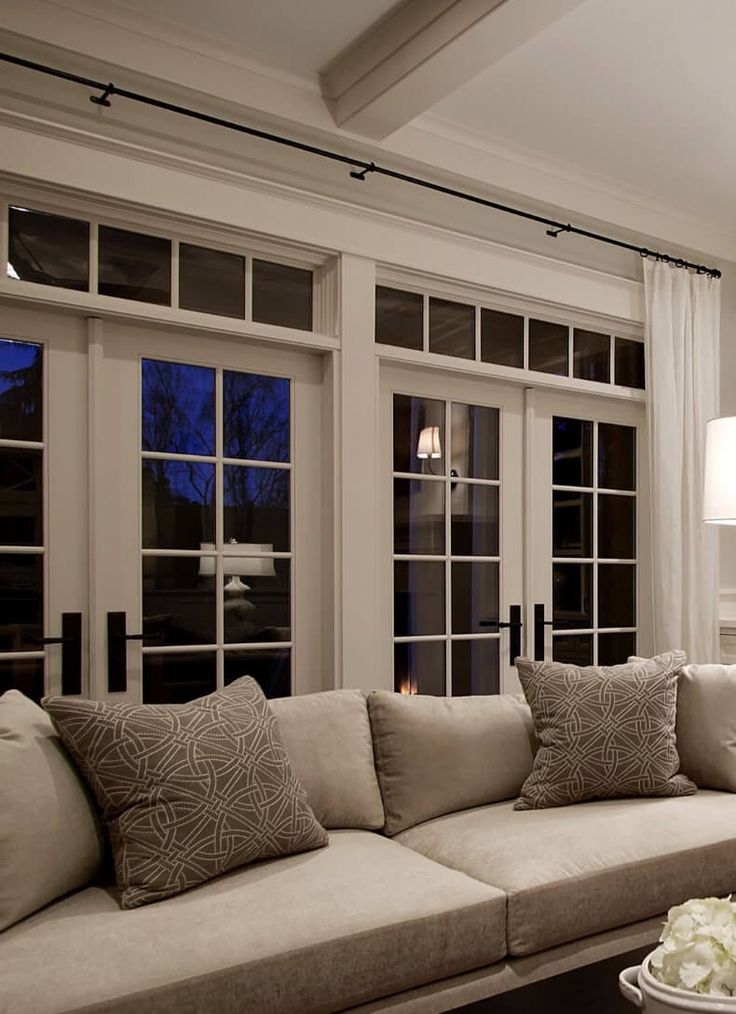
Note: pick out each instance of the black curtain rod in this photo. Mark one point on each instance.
(359, 168)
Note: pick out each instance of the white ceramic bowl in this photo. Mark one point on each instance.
(640, 987)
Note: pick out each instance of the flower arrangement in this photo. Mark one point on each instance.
(697, 948)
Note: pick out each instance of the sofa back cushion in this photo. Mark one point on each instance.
(328, 739)
(706, 725)
(51, 841)
(436, 755)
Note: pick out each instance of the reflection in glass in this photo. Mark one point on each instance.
(175, 678)
(474, 520)
(24, 674)
(399, 318)
(549, 347)
(573, 649)
(211, 281)
(475, 589)
(21, 502)
(630, 370)
(256, 416)
(420, 668)
(256, 505)
(572, 596)
(411, 417)
(21, 601)
(572, 452)
(616, 456)
(282, 295)
(451, 328)
(474, 441)
(419, 516)
(616, 595)
(134, 266)
(572, 523)
(419, 598)
(614, 649)
(475, 668)
(48, 249)
(178, 603)
(21, 369)
(178, 498)
(257, 598)
(591, 356)
(270, 667)
(178, 408)
(501, 338)
(616, 527)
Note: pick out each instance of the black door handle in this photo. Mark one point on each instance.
(539, 624)
(514, 624)
(71, 652)
(117, 656)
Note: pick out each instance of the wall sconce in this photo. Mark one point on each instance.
(719, 501)
(428, 445)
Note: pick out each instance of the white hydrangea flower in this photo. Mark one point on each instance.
(697, 948)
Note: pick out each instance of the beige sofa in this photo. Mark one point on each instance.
(433, 891)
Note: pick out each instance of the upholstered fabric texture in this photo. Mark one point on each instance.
(308, 934)
(437, 754)
(604, 732)
(51, 840)
(187, 791)
(328, 739)
(706, 725)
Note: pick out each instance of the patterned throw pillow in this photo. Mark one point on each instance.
(604, 732)
(187, 791)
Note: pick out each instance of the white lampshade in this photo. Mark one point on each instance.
(719, 502)
(234, 561)
(428, 445)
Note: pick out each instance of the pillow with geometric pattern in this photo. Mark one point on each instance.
(604, 731)
(187, 791)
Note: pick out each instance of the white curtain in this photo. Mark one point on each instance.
(682, 334)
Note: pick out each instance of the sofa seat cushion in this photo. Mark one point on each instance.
(569, 872)
(316, 932)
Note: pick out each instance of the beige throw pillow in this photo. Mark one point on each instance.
(604, 732)
(187, 791)
(51, 840)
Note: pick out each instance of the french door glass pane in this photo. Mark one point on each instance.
(475, 667)
(474, 519)
(257, 599)
(419, 668)
(21, 379)
(572, 596)
(613, 649)
(134, 266)
(270, 667)
(178, 408)
(256, 417)
(178, 600)
(572, 523)
(616, 527)
(475, 594)
(573, 649)
(616, 456)
(419, 435)
(256, 505)
(474, 441)
(616, 595)
(419, 598)
(572, 452)
(419, 516)
(21, 497)
(24, 674)
(21, 601)
(175, 678)
(48, 249)
(178, 504)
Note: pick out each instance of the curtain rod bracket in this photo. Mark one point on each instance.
(104, 99)
(360, 174)
(555, 232)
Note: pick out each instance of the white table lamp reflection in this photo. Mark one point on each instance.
(238, 610)
(719, 502)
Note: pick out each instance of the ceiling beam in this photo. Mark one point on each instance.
(423, 52)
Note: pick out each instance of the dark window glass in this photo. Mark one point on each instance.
(178, 499)
(134, 266)
(475, 667)
(419, 598)
(474, 441)
(257, 599)
(572, 596)
(419, 516)
(24, 674)
(451, 328)
(616, 595)
(572, 452)
(269, 667)
(572, 523)
(614, 649)
(419, 429)
(399, 318)
(256, 417)
(630, 371)
(616, 456)
(21, 375)
(211, 281)
(178, 600)
(475, 588)
(256, 506)
(178, 408)
(616, 527)
(549, 347)
(592, 356)
(573, 649)
(282, 295)
(474, 519)
(178, 677)
(49, 249)
(21, 601)
(420, 668)
(21, 499)
(501, 338)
